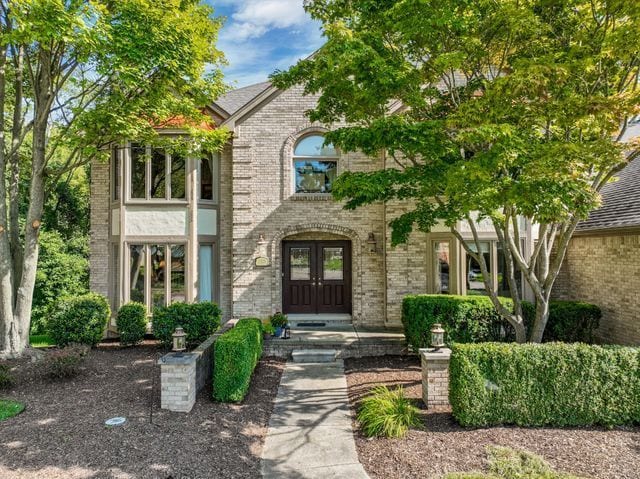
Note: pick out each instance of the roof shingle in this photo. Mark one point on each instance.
(235, 99)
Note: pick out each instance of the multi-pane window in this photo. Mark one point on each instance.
(155, 174)
(315, 165)
(475, 278)
(157, 274)
(495, 261)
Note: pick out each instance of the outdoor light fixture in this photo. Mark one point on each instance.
(179, 340)
(287, 333)
(371, 241)
(261, 239)
(437, 336)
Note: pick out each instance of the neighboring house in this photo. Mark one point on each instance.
(255, 228)
(602, 266)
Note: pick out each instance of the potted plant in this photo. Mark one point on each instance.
(267, 329)
(278, 321)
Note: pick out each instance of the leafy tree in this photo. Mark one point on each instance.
(75, 76)
(486, 109)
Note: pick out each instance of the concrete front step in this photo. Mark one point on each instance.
(314, 355)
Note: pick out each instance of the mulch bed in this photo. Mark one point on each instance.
(443, 446)
(61, 434)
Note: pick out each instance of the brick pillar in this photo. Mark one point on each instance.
(178, 381)
(435, 376)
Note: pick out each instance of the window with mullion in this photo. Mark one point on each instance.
(315, 165)
(155, 174)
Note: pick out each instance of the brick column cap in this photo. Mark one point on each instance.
(177, 359)
(432, 354)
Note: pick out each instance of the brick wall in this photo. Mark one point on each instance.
(99, 236)
(605, 270)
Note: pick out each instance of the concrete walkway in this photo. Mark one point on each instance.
(310, 433)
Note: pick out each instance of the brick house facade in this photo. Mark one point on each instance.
(268, 238)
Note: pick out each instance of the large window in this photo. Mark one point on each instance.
(315, 165)
(206, 280)
(157, 274)
(207, 176)
(495, 260)
(156, 174)
(442, 263)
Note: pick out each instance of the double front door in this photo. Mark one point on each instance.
(316, 277)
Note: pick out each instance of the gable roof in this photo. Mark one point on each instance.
(620, 203)
(233, 100)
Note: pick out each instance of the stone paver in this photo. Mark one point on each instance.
(310, 434)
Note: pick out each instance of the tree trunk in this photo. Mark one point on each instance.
(540, 321)
(521, 331)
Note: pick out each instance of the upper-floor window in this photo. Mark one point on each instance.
(207, 174)
(156, 174)
(315, 165)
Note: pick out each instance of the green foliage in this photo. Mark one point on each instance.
(131, 322)
(553, 384)
(279, 320)
(66, 362)
(63, 270)
(506, 463)
(81, 320)
(268, 328)
(387, 413)
(473, 319)
(199, 321)
(6, 378)
(236, 354)
(9, 409)
(569, 321)
(41, 341)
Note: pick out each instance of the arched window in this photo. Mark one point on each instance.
(315, 165)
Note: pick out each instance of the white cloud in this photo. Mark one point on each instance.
(254, 18)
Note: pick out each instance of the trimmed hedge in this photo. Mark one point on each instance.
(473, 319)
(81, 319)
(236, 354)
(554, 384)
(131, 322)
(199, 321)
(466, 319)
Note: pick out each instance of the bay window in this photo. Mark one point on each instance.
(155, 174)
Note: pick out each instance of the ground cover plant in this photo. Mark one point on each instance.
(544, 384)
(81, 319)
(41, 341)
(387, 412)
(9, 409)
(66, 362)
(236, 354)
(6, 378)
(506, 463)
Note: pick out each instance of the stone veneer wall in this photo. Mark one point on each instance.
(605, 270)
(99, 236)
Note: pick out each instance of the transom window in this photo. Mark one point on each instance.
(315, 164)
(156, 174)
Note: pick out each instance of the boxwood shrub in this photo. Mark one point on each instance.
(554, 384)
(473, 319)
(236, 354)
(81, 319)
(131, 322)
(199, 321)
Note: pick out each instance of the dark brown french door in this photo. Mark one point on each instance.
(316, 277)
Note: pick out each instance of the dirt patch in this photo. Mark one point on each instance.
(61, 434)
(443, 446)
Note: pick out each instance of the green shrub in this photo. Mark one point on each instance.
(267, 328)
(553, 384)
(9, 409)
(6, 378)
(473, 319)
(132, 323)
(569, 321)
(387, 413)
(63, 271)
(66, 362)
(236, 354)
(506, 463)
(199, 321)
(82, 319)
(466, 319)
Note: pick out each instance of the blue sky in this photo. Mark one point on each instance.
(260, 36)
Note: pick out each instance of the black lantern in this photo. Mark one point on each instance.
(371, 243)
(179, 340)
(287, 333)
(437, 336)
